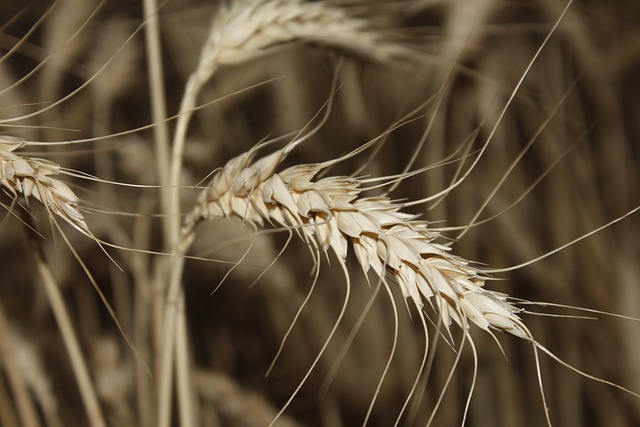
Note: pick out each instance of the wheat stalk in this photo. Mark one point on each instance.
(69, 336)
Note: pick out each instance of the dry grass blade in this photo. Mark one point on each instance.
(69, 335)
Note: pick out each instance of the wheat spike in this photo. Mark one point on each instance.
(31, 177)
(244, 29)
(331, 213)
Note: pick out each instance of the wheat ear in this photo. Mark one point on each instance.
(245, 29)
(331, 213)
(31, 177)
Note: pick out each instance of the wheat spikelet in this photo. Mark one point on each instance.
(331, 213)
(32, 177)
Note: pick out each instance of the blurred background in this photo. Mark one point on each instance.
(578, 107)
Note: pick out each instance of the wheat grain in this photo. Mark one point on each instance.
(331, 213)
(31, 177)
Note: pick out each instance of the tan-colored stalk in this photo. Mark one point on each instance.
(76, 358)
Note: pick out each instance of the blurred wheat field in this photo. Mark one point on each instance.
(431, 76)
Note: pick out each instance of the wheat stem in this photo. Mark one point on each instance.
(174, 291)
(87, 391)
(170, 199)
(169, 339)
(186, 400)
(158, 104)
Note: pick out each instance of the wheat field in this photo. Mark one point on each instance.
(319, 213)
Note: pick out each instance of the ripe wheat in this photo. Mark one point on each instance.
(31, 177)
(331, 213)
(243, 30)
(157, 301)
